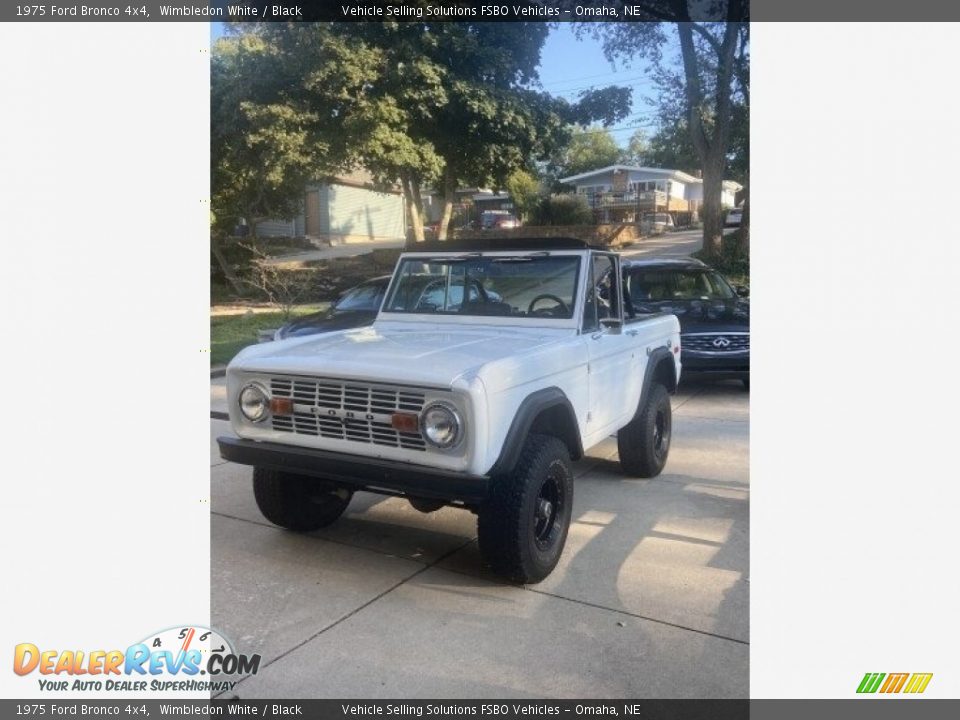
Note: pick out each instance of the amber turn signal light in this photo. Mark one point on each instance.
(405, 422)
(281, 406)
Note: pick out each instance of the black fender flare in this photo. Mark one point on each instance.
(532, 406)
(657, 358)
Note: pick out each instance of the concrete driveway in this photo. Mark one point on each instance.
(650, 598)
(672, 244)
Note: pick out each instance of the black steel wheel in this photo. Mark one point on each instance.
(550, 505)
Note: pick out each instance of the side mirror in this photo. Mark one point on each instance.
(742, 291)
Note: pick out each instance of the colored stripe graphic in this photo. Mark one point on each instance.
(918, 682)
(870, 682)
(894, 682)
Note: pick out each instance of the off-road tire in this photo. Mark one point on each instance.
(298, 502)
(520, 536)
(644, 443)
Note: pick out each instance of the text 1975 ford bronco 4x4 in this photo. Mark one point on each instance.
(478, 396)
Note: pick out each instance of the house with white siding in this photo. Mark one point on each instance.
(345, 209)
(624, 192)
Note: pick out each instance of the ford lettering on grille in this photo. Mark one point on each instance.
(347, 411)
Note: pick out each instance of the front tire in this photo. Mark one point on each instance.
(644, 443)
(522, 526)
(298, 502)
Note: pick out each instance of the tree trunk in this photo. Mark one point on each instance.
(745, 219)
(712, 210)
(411, 193)
(449, 188)
(418, 199)
(228, 273)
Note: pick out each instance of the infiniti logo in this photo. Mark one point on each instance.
(721, 342)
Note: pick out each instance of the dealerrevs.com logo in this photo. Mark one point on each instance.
(891, 683)
(190, 658)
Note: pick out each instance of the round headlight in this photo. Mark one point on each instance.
(254, 403)
(440, 425)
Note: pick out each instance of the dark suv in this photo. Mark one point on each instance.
(714, 316)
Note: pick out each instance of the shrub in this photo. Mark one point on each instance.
(562, 210)
(733, 261)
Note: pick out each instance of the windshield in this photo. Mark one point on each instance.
(526, 285)
(364, 297)
(664, 285)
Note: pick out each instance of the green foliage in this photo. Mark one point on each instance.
(524, 190)
(264, 148)
(416, 102)
(638, 150)
(671, 146)
(733, 260)
(589, 149)
(562, 210)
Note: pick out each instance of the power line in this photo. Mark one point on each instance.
(617, 129)
(631, 80)
(613, 79)
(584, 77)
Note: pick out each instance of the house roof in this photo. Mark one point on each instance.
(664, 172)
(678, 174)
(357, 178)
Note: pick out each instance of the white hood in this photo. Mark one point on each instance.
(416, 353)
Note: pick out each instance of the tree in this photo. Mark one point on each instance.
(422, 104)
(264, 148)
(588, 149)
(671, 147)
(482, 118)
(524, 191)
(638, 149)
(714, 64)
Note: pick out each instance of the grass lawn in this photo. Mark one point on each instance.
(229, 334)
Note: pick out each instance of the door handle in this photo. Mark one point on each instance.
(633, 333)
(597, 335)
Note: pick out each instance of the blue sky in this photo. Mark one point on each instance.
(569, 65)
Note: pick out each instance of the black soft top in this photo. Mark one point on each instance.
(499, 244)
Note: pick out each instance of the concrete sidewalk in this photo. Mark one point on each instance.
(334, 252)
(650, 598)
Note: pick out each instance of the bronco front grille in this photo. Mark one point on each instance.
(716, 343)
(347, 411)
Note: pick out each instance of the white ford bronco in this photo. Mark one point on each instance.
(489, 368)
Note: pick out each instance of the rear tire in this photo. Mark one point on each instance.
(644, 443)
(298, 502)
(522, 526)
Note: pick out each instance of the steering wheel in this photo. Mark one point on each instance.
(546, 296)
